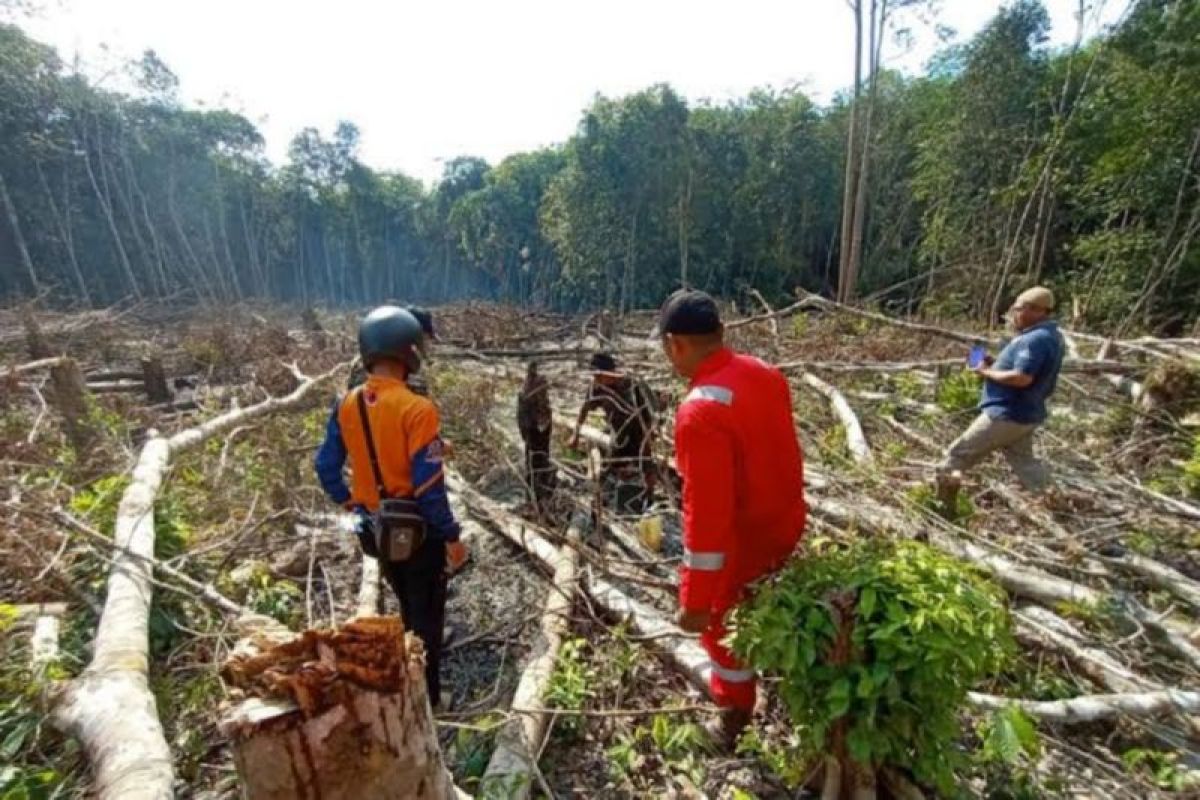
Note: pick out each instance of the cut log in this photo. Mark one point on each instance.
(511, 767)
(110, 708)
(116, 387)
(33, 366)
(817, 301)
(1160, 576)
(335, 715)
(856, 440)
(43, 645)
(1038, 625)
(1070, 365)
(1096, 707)
(683, 650)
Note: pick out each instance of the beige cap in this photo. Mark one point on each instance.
(1037, 297)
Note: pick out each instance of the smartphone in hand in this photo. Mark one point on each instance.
(977, 357)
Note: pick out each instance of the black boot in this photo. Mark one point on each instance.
(723, 732)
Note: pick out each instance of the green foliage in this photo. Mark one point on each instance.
(958, 391)
(98, 505)
(468, 755)
(670, 743)
(789, 759)
(571, 684)
(925, 496)
(278, 598)
(1191, 470)
(925, 629)
(833, 444)
(1159, 767)
(1009, 735)
(35, 763)
(98, 502)
(1095, 198)
(909, 386)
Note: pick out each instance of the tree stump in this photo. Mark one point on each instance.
(34, 340)
(70, 400)
(155, 379)
(335, 714)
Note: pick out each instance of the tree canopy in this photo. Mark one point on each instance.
(1007, 162)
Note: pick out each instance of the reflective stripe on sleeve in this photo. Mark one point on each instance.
(703, 562)
(732, 675)
(717, 394)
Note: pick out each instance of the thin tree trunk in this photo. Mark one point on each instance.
(629, 258)
(854, 266)
(64, 234)
(852, 150)
(106, 209)
(11, 212)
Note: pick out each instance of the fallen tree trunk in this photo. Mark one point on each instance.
(1023, 581)
(33, 366)
(1072, 365)
(335, 715)
(684, 651)
(109, 707)
(1048, 630)
(1095, 707)
(856, 440)
(514, 761)
(945, 333)
(1160, 576)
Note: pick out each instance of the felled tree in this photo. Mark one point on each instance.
(877, 643)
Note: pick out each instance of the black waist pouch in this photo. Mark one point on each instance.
(399, 529)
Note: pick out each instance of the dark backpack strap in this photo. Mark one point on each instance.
(366, 423)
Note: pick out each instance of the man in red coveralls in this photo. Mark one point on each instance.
(743, 492)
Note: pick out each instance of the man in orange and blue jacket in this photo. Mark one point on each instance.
(743, 487)
(404, 427)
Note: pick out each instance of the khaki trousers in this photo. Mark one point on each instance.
(987, 435)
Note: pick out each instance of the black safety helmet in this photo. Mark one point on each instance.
(425, 318)
(390, 332)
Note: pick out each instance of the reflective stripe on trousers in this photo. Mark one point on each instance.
(703, 562)
(731, 683)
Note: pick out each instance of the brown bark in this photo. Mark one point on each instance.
(155, 379)
(70, 399)
(852, 153)
(10, 211)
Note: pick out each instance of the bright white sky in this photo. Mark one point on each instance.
(430, 80)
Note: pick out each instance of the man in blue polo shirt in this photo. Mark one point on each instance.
(1013, 403)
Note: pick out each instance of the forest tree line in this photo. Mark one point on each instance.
(1007, 162)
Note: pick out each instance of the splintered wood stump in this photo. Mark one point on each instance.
(334, 714)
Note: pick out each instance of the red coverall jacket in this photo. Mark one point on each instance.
(743, 495)
(743, 479)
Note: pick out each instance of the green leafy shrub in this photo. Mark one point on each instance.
(922, 629)
(668, 744)
(958, 391)
(1160, 768)
(570, 684)
(1191, 470)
